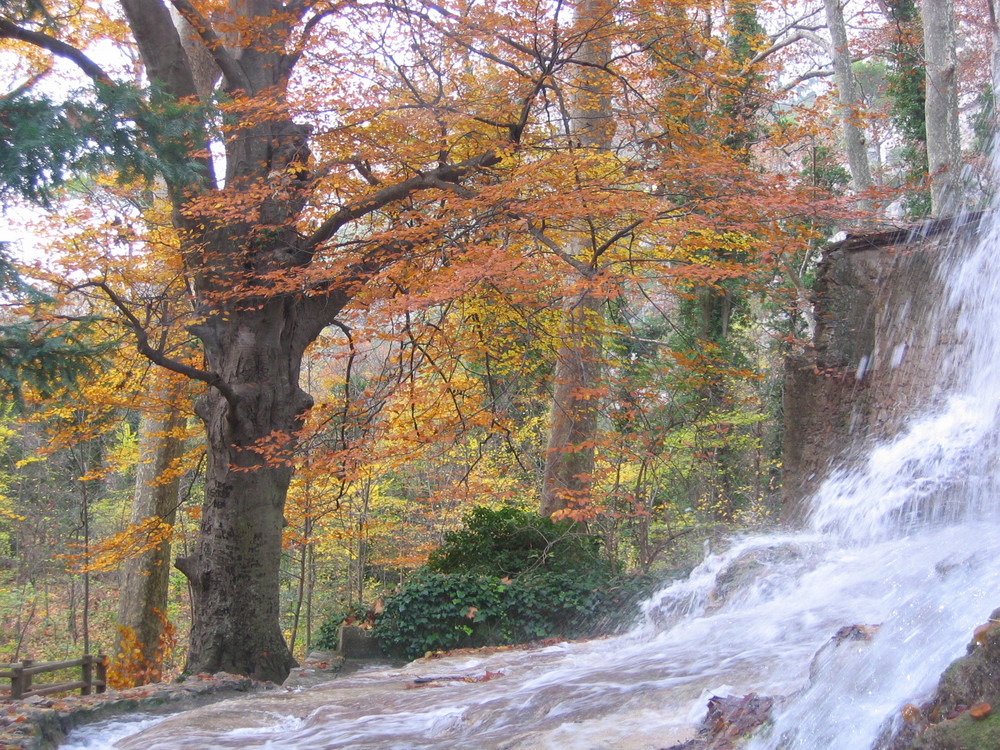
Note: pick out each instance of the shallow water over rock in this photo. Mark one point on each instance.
(910, 542)
(649, 689)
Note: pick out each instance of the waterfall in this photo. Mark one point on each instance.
(906, 544)
(927, 500)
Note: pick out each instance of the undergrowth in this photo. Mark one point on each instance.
(508, 576)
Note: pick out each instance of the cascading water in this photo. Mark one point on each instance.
(909, 542)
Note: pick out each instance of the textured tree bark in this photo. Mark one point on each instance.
(251, 438)
(145, 584)
(254, 346)
(944, 152)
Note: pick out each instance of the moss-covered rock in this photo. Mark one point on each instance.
(975, 677)
(947, 722)
(962, 733)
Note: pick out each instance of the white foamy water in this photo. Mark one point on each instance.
(910, 541)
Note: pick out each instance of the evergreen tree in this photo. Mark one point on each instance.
(43, 357)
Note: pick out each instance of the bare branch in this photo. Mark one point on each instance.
(780, 44)
(59, 48)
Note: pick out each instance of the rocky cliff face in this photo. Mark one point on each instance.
(881, 317)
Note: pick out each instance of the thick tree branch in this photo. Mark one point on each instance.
(582, 268)
(825, 73)
(230, 66)
(620, 234)
(157, 356)
(160, 46)
(59, 48)
(435, 178)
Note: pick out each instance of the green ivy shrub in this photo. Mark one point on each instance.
(328, 636)
(508, 577)
(511, 541)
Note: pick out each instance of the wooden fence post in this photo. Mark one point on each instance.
(87, 670)
(102, 673)
(27, 677)
(20, 683)
(16, 678)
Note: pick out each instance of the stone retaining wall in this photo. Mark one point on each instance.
(881, 322)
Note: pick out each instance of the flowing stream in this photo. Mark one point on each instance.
(910, 541)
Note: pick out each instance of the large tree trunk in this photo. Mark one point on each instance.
(142, 606)
(251, 436)
(253, 338)
(944, 153)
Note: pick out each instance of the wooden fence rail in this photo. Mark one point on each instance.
(93, 676)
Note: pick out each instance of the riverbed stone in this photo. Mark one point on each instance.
(729, 721)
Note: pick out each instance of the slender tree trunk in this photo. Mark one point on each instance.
(944, 154)
(849, 107)
(301, 588)
(86, 574)
(569, 452)
(310, 589)
(994, 8)
(145, 587)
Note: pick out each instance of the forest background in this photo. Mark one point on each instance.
(309, 282)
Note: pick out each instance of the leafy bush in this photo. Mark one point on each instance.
(507, 577)
(437, 611)
(442, 611)
(510, 541)
(327, 638)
